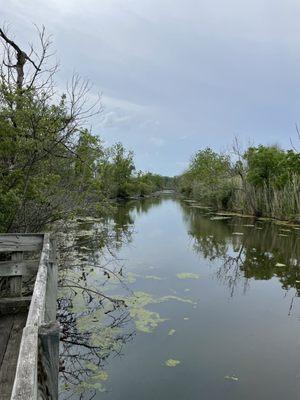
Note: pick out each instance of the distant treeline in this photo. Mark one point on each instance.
(51, 166)
(261, 181)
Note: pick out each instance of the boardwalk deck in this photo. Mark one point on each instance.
(29, 334)
(11, 328)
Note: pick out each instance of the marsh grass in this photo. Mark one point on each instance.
(268, 200)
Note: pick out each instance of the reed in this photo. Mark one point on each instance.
(268, 200)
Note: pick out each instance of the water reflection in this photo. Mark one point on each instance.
(97, 322)
(95, 325)
(249, 248)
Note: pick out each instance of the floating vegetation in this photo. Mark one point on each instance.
(172, 363)
(155, 278)
(187, 275)
(166, 298)
(131, 277)
(219, 218)
(171, 332)
(101, 375)
(145, 320)
(231, 378)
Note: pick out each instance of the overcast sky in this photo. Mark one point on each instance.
(177, 75)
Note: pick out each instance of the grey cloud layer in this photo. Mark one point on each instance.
(177, 76)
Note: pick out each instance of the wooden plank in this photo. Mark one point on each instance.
(37, 368)
(36, 312)
(6, 323)
(15, 282)
(20, 242)
(23, 268)
(51, 287)
(8, 370)
(25, 384)
(14, 305)
(48, 367)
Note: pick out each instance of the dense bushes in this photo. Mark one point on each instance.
(264, 181)
(51, 166)
(208, 178)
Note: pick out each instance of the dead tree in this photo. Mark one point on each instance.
(21, 57)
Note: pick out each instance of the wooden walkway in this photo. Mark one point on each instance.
(11, 328)
(29, 333)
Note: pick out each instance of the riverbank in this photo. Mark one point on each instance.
(232, 213)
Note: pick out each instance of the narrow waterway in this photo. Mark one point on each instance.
(212, 307)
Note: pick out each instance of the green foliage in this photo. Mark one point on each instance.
(51, 166)
(266, 165)
(264, 181)
(208, 178)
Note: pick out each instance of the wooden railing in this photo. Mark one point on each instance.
(38, 361)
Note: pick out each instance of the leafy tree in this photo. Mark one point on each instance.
(208, 178)
(267, 165)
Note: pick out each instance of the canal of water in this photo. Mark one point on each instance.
(211, 306)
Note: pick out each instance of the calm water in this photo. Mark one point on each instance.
(223, 306)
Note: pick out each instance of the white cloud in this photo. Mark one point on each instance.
(157, 141)
(121, 113)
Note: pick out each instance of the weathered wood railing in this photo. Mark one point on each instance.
(36, 374)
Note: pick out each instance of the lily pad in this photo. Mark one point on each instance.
(171, 332)
(231, 378)
(155, 278)
(172, 363)
(187, 275)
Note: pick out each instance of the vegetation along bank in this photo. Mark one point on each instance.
(261, 181)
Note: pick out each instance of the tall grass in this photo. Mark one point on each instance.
(268, 200)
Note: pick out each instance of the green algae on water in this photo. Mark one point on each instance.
(187, 275)
(231, 378)
(155, 278)
(171, 362)
(145, 320)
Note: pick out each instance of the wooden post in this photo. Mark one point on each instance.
(48, 366)
(15, 282)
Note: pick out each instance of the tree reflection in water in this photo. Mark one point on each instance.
(247, 248)
(95, 320)
(95, 324)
